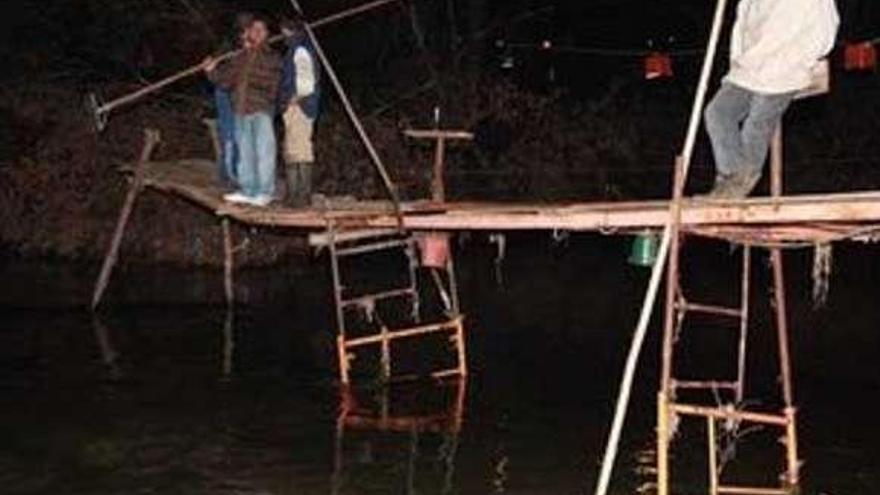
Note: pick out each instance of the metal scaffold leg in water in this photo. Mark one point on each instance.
(670, 408)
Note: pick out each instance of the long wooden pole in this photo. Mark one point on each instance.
(151, 139)
(792, 474)
(198, 68)
(228, 263)
(353, 116)
(659, 265)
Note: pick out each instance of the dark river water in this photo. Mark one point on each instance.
(162, 393)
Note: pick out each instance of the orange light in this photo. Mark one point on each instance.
(860, 56)
(658, 65)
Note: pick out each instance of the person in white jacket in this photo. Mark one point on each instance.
(774, 48)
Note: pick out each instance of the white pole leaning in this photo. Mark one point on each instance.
(638, 340)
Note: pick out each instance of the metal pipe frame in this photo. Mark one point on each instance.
(677, 306)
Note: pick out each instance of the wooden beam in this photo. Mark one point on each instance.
(151, 139)
(788, 216)
(438, 133)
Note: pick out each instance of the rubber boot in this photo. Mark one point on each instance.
(292, 185)
(299, 184)
(305, 175)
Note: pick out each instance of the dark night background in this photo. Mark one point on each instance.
(158, 394)
(577, 121)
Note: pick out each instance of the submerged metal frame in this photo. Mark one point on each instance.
(452, 324)
(448, 422)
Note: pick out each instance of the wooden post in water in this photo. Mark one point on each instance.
(228, 261)
(792, 474)
(151, 139)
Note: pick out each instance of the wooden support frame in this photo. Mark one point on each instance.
(669, 410)
(441, 136)
(761, 220)
(152, 138)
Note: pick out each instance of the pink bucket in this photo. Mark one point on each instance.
(435, 250)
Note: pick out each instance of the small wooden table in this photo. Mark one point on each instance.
(438, 189)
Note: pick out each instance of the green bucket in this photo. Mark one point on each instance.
(644, 250)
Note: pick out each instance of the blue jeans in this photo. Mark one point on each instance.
(741, 124)
(226, 135)
(255, 135)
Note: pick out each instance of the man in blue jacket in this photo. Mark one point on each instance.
(228, 165)
(299, 99)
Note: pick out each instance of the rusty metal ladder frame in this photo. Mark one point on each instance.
(453, 323)
(668, 409)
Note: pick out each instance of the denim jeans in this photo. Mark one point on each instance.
(255, 136)
(741, 124)
(226, 135)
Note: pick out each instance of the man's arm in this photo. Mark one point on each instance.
(824, 33)
(736, 32)
(221, 74)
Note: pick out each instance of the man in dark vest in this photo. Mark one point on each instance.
(252, 78)
(299, 99)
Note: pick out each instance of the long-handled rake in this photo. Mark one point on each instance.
(98, 111)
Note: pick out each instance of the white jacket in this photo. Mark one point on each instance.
(776, 43)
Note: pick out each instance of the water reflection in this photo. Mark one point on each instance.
(109, 355)
(228, 342)
(383, 432)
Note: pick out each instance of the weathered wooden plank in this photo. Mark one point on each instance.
(809, 216)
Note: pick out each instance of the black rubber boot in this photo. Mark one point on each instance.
(305, 175)
(299, 184)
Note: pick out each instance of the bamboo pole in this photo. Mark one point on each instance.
(654, 284)
(151, 140)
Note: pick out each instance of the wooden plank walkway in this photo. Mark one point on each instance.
(802, 217)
